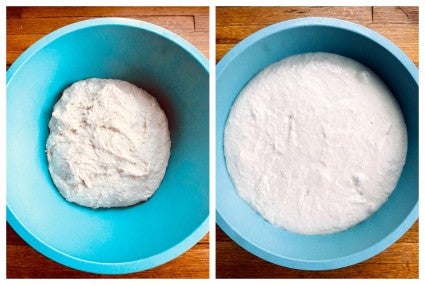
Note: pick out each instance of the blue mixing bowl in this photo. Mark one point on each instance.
(393, 219)
(120, 240)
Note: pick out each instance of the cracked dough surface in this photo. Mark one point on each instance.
(109, 144)
(315, 143)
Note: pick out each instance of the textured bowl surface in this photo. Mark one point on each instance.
(393, 219)
(120, 240)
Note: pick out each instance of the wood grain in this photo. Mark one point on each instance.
(25, 25)
(22, 261)
(401, 260)
(398, 24)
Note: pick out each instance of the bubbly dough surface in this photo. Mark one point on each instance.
(109, 144)
(315, 143)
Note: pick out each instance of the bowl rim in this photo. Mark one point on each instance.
(71, 261)
(374, 249)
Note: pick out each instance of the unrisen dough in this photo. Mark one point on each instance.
(315, 143)
(109, 144)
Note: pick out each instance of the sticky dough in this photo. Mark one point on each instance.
(315, 143)
(109, 144)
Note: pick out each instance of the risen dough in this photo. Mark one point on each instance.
(315, 143)
(109, 144)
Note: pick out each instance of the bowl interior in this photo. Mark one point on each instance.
(151, 61)
(253, 232)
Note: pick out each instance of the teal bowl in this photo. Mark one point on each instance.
(384, 227)
(120, 240)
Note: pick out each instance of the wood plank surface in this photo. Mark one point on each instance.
(401, 260)
(398, 24)
(25, 25)
(22, 261)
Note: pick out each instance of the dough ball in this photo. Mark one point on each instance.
(109, 144)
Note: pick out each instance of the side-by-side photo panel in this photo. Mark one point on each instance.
(107, 142)
(317, 121)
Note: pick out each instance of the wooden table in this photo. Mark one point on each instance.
(27, 25)
(400, 25)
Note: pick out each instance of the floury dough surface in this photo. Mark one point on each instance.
(315, 143)
(109, 144)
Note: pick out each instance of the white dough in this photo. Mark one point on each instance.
(315, 143)
(109, 144)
